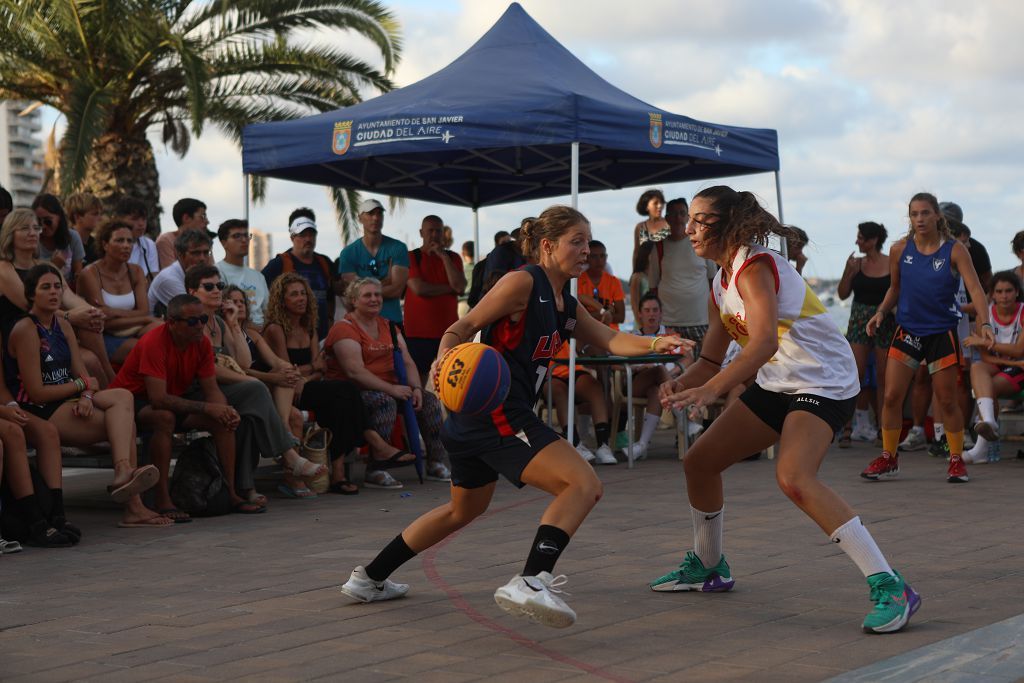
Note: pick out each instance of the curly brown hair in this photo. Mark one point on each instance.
(276, 312)
(741, 219)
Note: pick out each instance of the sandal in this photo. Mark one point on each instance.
(844, 440)
(142, 479)
(244, 507)
(256, 498)
(305, 469)
(379, 479)
(175, 515)
(344, 488)
(9, 547)
(395, 460)
(300, 492)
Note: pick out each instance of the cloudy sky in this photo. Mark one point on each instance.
(873, 101)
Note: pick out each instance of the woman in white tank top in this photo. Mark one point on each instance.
(119, 289)
(805, 389)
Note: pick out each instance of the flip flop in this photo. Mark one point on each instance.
(9, 547)
(143, 479)
(299, 492)
(305, 469)
(344, 488)
(244, 507)
(394, 461)
(146, 524)
(178, 516)
(257, 498)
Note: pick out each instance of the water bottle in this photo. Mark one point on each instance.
(993, 451)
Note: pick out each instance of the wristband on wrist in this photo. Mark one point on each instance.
(79, 385)
(988, 325)
(88, 395)
(654, 342)
(12, 404)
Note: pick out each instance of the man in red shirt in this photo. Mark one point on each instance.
(160, 372)
(436, 279)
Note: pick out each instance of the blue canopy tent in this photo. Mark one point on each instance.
(516, 117)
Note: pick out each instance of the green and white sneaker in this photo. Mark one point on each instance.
(895, 602)
(693, 576)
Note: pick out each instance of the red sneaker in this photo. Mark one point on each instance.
(957, 472)
(884, 466)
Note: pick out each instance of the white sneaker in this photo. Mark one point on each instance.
(694, 429)
(585, 453)
(534, 597)
(639, 452)
(863, 433)
(438, 471)
(915, 441)
(604, 455)
(361, 588)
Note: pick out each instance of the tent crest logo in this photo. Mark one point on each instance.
(342, 137)
(655, 132)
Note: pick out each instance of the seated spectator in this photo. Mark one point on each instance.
(161, 372)
(17, 425)
(593, 408)
(303, 258)
(1000, 372)
(193, 249)
(135, 213)
(85, 211)
(19, 244)
(49, 380)
(335, 403)
(360, 348)
(58, 243)
(647, 379)
(262, 430)
(234, 238)
(599, 292)
(119, 289)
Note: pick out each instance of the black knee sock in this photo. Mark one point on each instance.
(27, 509)
(575, 436)
(395, 554)
(57, 509)
(603, 432)
(547, 547)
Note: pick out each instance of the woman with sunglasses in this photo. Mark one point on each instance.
(58, 243)
(49, 380)
(336, 404)
(262, 431)
(805, 390)
(118, 288)
(19, 249)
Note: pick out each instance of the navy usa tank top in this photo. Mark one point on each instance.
(528, 345)
(54, 359)
(928, 287)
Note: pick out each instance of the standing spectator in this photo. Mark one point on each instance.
(162, 371)
(1018, 250)
(135, 213)
(476, 281)
(84, 213)
(193, 249)
(118, 288)
(600, 293)
(188, 214)
(795, 243)
(436, 280)
(447, 237)
(234, 238)
(979, 255)
(639, 285)
(468, 252)
(378, 256)
(303, 259)
(868, 279)
(58, 243)
(681, 278)
(654, 227)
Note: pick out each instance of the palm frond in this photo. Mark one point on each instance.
(87, 118)
(345, 201)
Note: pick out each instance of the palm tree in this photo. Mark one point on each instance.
(121, 69)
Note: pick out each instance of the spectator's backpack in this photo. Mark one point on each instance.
(198, 486)
(288, 264)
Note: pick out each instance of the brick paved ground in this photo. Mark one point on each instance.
(255, 597)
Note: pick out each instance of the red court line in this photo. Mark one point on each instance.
(430, 569)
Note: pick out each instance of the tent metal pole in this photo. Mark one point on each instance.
(245, 209)
(476, 234)
(784, 247)
(573, 289)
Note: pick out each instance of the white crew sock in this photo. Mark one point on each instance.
(650, 425)
(862, 419)
(707, 535)
(940, 431)
(855, 540)
(987, 410)
(585, 426)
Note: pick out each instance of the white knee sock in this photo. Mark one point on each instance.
(707, 535)
(855, 540)
(987, 409)
(650, 424)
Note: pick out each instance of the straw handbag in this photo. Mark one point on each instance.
(314, 449)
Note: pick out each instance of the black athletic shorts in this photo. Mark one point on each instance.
(773, 407)
(478, 463)
(939, 351)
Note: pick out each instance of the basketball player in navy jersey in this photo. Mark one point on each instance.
(526, 316)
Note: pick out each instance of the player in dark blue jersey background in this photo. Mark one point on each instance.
(527, 316)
